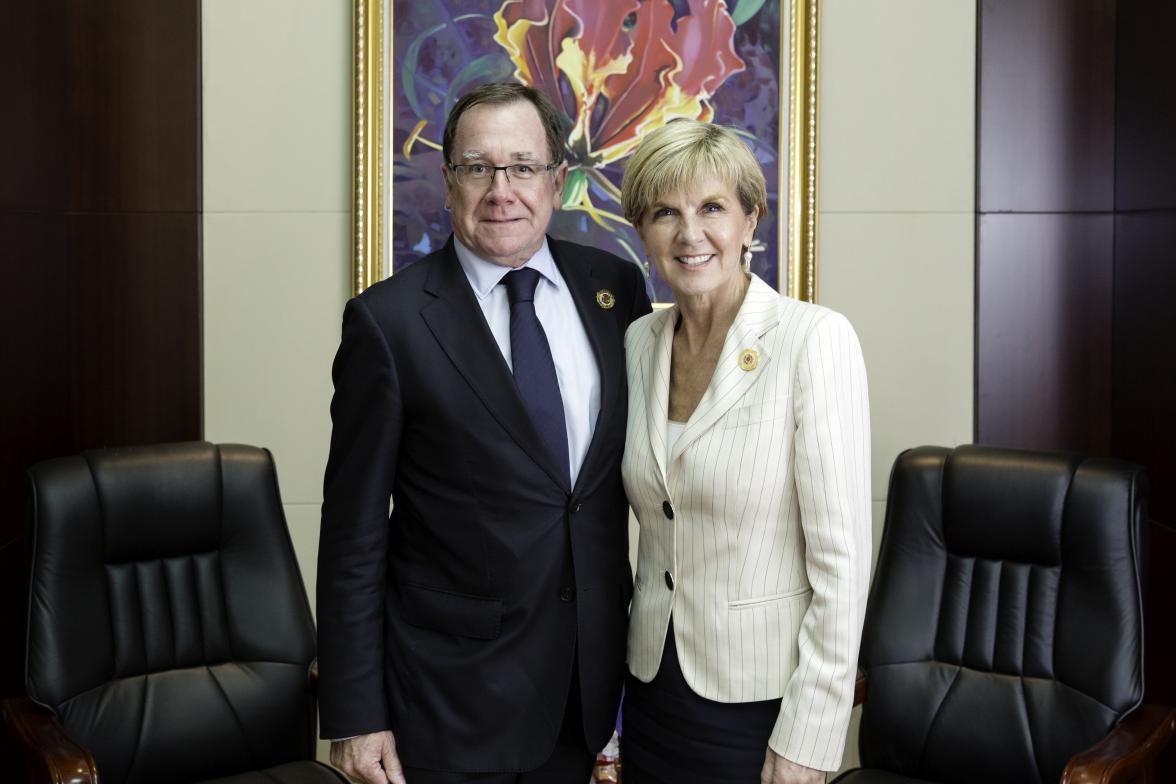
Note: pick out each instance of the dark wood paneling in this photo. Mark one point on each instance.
(35, 399)
(13, 620)
(100, 240)
(134, 97)
(1145, 361)
(136, 344)
(1145, 127)
(1056, 368)
(1159, 655)
(32, 92)
(1144, 426)
(1047, 102)
(1043, 331)
(1145, 308)
(35, 352)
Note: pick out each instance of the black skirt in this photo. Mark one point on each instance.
(670, 735)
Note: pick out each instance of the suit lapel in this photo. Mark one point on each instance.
(731, 381)
(456, 321)
(601, 328)
(656, 371)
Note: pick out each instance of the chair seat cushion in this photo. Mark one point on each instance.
(291, 773)
(872, 776)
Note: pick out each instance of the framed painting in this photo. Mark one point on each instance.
(617, 68)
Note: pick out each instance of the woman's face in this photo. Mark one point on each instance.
(696, 237)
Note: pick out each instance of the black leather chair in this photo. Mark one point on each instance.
(1004, 631)
(170, 639)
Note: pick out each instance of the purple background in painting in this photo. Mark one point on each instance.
(444, 48)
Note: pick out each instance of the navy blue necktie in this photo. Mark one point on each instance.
(534, 370)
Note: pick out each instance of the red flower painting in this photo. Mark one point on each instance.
(619, 68)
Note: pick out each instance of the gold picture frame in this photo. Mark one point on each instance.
(797, 169)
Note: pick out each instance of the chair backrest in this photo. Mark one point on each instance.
(1004, 631)
(168, 624)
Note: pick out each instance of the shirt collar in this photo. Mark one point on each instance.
(485, 275)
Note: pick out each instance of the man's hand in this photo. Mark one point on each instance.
(368, 759)
(778, 770)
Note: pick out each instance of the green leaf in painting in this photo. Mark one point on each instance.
(411, 55)
(745, 10)
(487, 68)
(574, 187)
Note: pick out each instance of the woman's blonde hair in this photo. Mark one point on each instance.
(683, 151)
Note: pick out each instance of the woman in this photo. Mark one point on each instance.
(747, 463)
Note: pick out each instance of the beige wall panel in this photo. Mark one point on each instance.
(277, 105)
(897, 91)
(274, 288)
(906, 283)
(303, 522)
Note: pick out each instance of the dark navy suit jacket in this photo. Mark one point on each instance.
(455, 621)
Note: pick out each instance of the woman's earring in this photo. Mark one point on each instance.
(747, 259)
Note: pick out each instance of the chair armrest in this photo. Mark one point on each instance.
(49, 756)
(859, 689)
(1127, 751)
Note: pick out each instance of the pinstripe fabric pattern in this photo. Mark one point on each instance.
(769, 544)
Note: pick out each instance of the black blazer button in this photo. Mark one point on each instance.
(669, 581)
(669, 510)
(567, 595)
(576, 507)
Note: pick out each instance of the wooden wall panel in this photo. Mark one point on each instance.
(1145, 351)
(1075, 105)
(134, 86)
(135, 303)
(1045, 233)
(100, 229)
(1047, 101)
(1145, 122)
(1144, 419)
(35, 398)
(1144, 388)
(1044, 331)
(32, 89)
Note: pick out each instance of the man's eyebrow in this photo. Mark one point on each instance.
(479, 155)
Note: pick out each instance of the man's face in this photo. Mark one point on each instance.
(500, 220)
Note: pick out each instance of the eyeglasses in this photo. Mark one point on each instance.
(483, 174)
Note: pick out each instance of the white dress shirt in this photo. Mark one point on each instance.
(575, 364)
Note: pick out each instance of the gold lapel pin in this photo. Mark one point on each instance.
(605, 299)
(748, 359)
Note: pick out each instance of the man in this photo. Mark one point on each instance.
(480, 629)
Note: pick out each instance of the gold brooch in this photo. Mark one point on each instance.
(748, 359)
(605, 299)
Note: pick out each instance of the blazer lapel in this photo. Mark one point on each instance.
(601, 327)
(656, 371)
(731, 379)
(456, 321)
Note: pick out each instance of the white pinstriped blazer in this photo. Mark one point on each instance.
(769, 543)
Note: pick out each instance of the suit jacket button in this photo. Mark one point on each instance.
(576, 507)
(668, 510)
(567, 595)
(669, 581)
